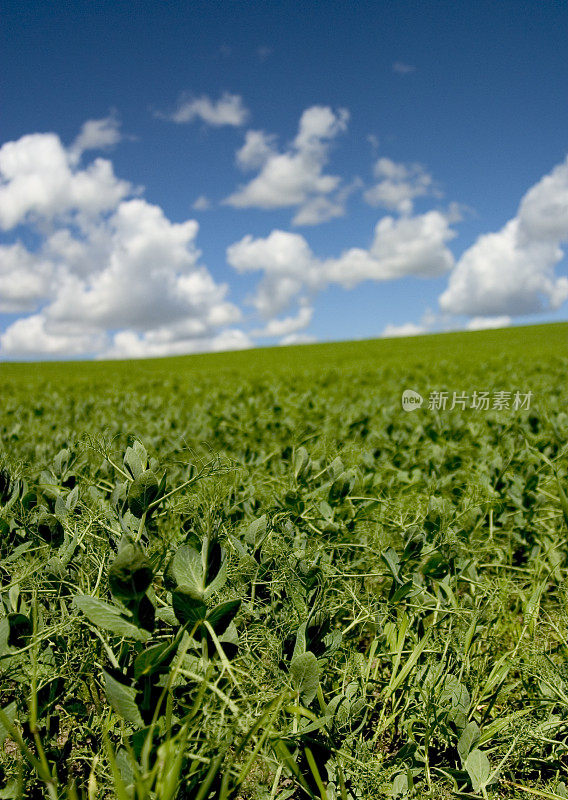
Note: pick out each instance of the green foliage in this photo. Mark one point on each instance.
(254, 577)
(130, 573)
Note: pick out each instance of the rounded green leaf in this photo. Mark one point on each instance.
(109, 617)
(123, 699)
(188, 606)
(185, 569)
(304, 671)
(142, 492)
(222, 615)
(130, 573)
(478, 768)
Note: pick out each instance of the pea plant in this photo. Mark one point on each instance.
(288, 588)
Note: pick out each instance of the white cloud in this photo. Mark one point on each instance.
(24, 279)
(406, 329)
(407, 246)
(318, 124)
(96, 134)
(511, 272)
(34, 337)
(230, 339)
(38, 180)
(288, 326)
(323, 209)
(297, 338)
(294, 177)
(318, 210)
(105, 263)
(150, 273)
(399, 184)
(127, 344)
(229, 109)
(256, 150)
(485, 323)
(288, 265)
(543, 212)
(202, 203)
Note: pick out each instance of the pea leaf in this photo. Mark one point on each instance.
(304, 671)
(150, 660)
(123, 699)
(478, 768)
(135, 459)
(301, 462)
(256, 531)
(391, 559)
(468, 740)
(222, 615)
(130, 573)
(188, 606)
(108, 617)
(185, 570)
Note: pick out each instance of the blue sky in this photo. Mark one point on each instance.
(181, 177)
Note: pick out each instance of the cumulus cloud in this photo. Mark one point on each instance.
(511, 272)
(318, 210)
(96, 134)
(150, 274)
(38, 179)
(297, 338)
(288, 326)
(127, 344)
(106, 263)
(229, 109)
(401, 247)
(294, 177)
(24, 279)
(256, 150)
(398, 185)
(35, 336)
(406, 329)
(287, 263)
(485, 323)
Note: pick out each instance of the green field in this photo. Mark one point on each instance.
(254, 575)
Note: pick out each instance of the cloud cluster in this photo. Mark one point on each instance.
(406, 329)
(288, 327)
(291, 271)
(229, 109)
(398, 185)
(487, 323)
(96, 134)
(294, 178)
(40, 181)
(511, 272)
(112, 275)
(92, 268)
